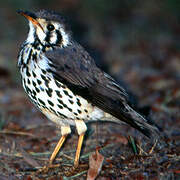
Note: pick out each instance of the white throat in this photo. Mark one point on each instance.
(30, 38)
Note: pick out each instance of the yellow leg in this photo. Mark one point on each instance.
(78, 151)
(57, 148)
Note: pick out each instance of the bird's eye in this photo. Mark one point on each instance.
(50, 27)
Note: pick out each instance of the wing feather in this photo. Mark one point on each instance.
(74, 67)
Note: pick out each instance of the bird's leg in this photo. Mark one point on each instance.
(81, 129)
(65, 130)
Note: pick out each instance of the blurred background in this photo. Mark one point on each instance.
(137, 42)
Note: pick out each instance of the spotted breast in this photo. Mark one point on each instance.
(52, 97)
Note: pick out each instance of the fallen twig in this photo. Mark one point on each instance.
(152, 149)
(17, 133)
(77, 175)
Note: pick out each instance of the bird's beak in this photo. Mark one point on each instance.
(31, 17)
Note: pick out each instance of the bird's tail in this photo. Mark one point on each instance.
(140, 123)
(134, 119)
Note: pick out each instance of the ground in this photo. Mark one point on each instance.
(139, 47)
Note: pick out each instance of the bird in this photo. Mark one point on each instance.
(63, 81)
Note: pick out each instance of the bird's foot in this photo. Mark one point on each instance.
(76, 169)
(46, 168)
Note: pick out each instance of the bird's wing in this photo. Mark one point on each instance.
(74, 67)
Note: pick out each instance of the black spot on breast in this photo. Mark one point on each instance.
(43, 106)
(51, 65)
(50, 90)
(34, 92)
(75, 113)
(28, 90)
(71, 101)
(50, 103)
(27, 72)
(49, 93)
(65, 92)
(28, 81)
(57, 84)
(79, 111)
(65, 105)
(46, 83)
(38, 81)
(85, 110)
(58, 93)
(37, 90)
(41, 102)
(43, 71)
(33, 96)
(43, 77)
(34, 84)
(62, 115)
(78, 102)
(70, 109)
(49, 78)
(49, 70)
(52, 110)
(61, 107)
(60, 101)
(33, 73)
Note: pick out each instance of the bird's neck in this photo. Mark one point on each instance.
(30, 53)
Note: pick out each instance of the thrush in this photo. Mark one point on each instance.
(63, 81)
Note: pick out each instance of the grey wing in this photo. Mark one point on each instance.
(74, 67)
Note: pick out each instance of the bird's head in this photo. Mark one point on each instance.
(48, 27)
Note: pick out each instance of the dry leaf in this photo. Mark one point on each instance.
(95, 165)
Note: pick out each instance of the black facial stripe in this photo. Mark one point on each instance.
(37, 42)
(48, 35)
(59, 37)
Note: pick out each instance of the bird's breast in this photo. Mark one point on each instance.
(54, 98)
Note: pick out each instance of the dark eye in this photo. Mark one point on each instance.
(50, 27)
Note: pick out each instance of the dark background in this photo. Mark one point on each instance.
(137, 42)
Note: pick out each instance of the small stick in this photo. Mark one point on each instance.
(151, 150)
(17, 133)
